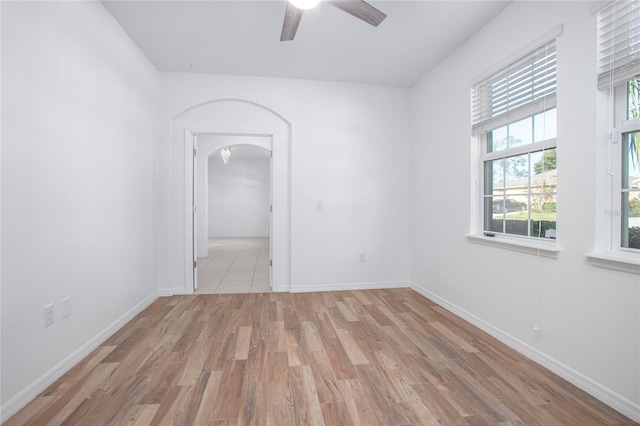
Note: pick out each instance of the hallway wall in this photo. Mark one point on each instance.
(239, 197)
(209, 144)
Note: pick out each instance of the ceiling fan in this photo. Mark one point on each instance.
(358, 8)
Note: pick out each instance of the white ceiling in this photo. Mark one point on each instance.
(242, 37)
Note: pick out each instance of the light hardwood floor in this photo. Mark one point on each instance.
(369, 357)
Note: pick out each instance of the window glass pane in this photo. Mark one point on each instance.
(630, 186)
(515, 204)
(493, 220)
(544, 126)
(517, 173)
(497, 139)
(631, 161)
(494, 194)
(544, 163)
(543, 192)
(633, 99)
(524, 132)
(517, 226)
(543, 213)
(510, 205)
(508, 216)
(519, 133)
(496, 176)
(630, 237)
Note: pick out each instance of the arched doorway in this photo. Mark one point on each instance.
(235, 117)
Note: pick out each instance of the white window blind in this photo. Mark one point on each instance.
(516, 91)
(619, 42)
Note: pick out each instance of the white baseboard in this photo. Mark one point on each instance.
(30, 392)
(347, 286)
(604, 394)
(305, 288)
(166, 292)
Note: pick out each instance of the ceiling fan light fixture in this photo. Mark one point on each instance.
(358, 8)
(304, 4)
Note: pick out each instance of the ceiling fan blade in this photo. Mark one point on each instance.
(360, 9)
(292, 17)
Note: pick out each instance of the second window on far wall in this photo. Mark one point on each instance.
(619, 80)
(514, 113)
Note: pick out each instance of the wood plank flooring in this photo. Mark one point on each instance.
(369, 357)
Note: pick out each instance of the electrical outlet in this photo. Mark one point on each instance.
(66, 307)
(48, 315)
(362, 257)
(536, 327)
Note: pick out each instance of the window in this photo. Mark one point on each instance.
(514, 114)
(519, 177)
(618, 219)
(629, 108)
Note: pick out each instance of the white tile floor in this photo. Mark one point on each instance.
(235, 265)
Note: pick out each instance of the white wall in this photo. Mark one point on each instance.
(209, 144)
(239, 197)
(79, 134)
(590, 317)
(79, 127)
(349, 148)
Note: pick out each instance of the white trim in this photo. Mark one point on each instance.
(627, 126)
(612, 261)
(165, 292)
(279, 241)
(520, 150)
(303, 288)
(280, 191)
(536, 247)
(597, 390)
(175, 291)
(30, 392)
(189, 202)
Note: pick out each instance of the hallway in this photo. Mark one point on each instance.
(235, 265)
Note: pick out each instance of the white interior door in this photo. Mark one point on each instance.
(271, 216)
(194, 219)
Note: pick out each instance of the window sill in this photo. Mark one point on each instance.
(615, 262)
(543, 247)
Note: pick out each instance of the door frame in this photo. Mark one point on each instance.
(190, 143)
(194, 211)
